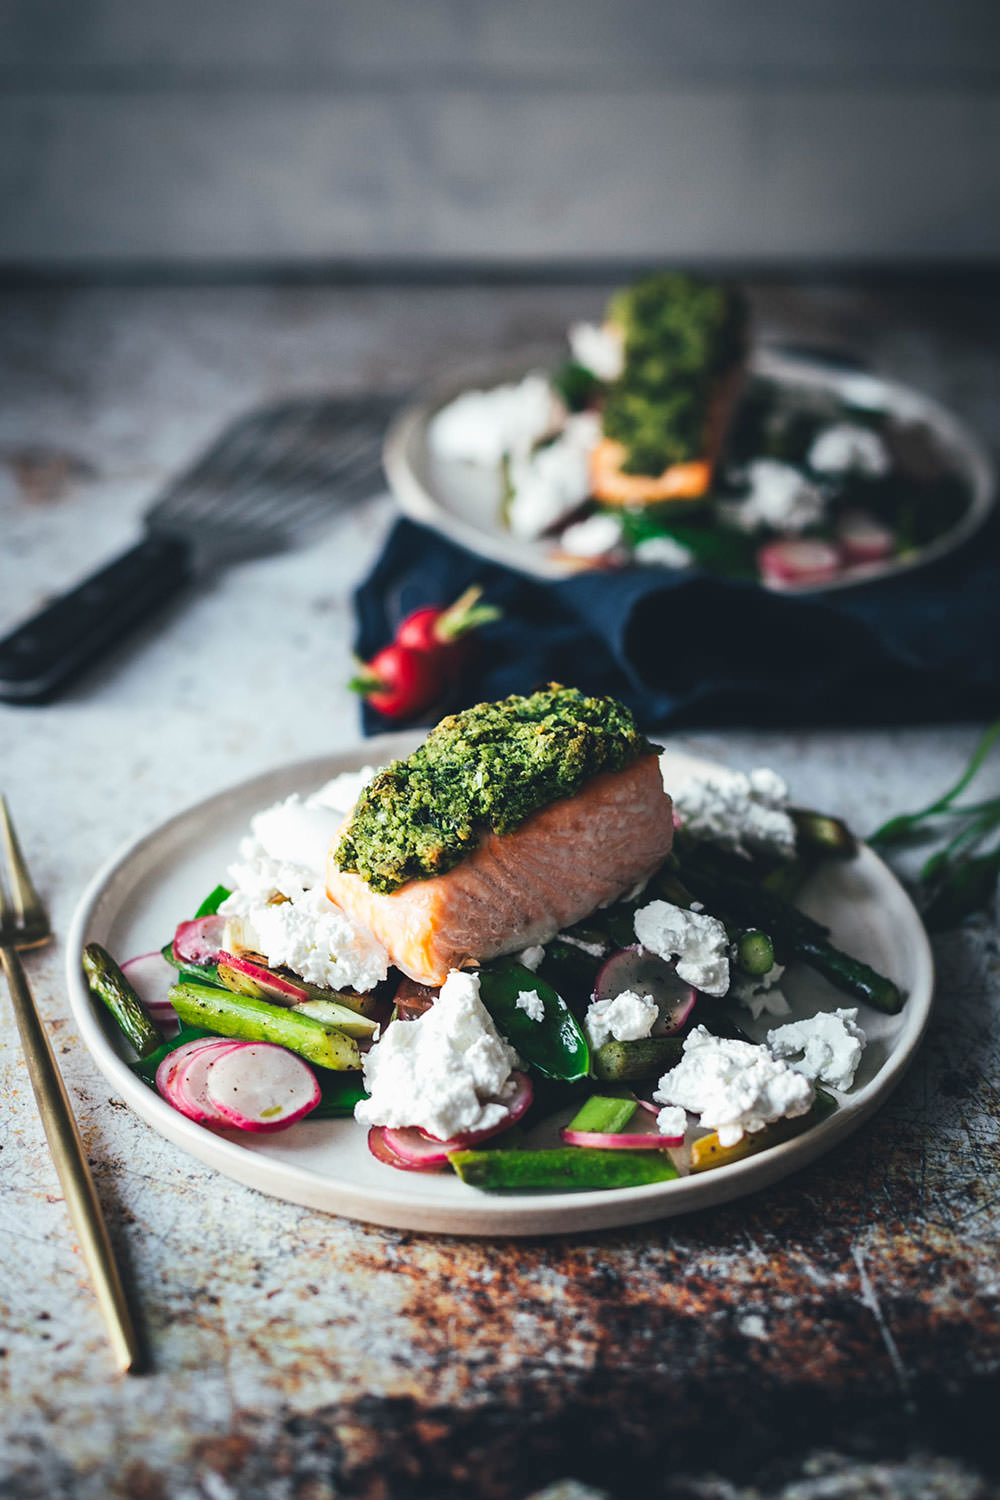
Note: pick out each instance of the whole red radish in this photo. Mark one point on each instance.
(423, 664)
(400, 682)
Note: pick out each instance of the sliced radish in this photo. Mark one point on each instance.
(171, 1066)
(200, 941)
(151, 977)
(798, 560)
(644, 1141)
(262, 1087)
(864, 539)
(189, 1086)
(644, 973)
(246, 978)
(518, 1092)
(381, 1151)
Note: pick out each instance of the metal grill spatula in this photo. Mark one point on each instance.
(268, 479)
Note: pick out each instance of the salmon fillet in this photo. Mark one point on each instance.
(683, 481)
(523, 887)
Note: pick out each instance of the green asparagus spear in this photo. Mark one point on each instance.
(109, 984)
(823, 834)
(647, 1058)
(793, 933)
(603, 1114)
(253, 1020)
(754, 952)
(566, 1169)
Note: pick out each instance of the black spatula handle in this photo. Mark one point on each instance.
(40, 657)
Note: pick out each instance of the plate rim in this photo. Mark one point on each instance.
(418, 501)
(482, 1215)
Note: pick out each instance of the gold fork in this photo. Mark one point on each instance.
(24, 924)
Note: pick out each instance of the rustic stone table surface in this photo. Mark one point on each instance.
(836, 1333)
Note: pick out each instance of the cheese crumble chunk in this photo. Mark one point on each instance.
(447, 1072)
(734, 1087)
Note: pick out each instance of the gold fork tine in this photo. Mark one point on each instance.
(24, 923)
(31, 914)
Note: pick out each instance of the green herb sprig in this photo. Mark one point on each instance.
(960, 876)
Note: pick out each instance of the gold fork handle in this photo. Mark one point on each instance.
(70, 1160)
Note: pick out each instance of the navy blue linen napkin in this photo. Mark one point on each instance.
(687, 648)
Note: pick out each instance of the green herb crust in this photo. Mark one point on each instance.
(485, 769)
(682, 335)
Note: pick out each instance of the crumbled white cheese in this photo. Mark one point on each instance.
(481, 426)
(278, 905)
(759, 993)
(446, 1072)
(597, 536)
(625, 1017)
(599, 348)
(848, 448)
(779, 496)
(671, 1120)
(344, 790)
(531, 1002)
(743, 813)
(549, 483)
(595, 950)
(312, 937)
(286, 848)
(734, 1087)
(532, 957)
(831, 1043)
(699, 943)
(662, 552)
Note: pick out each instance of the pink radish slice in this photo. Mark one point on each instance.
(381, 1151)
(646, 1141)
(189, 1088)
(798, 560)
(151, 977)
(644, 973)
(864, 539)
(261, 1087)
(517, 1101)
(200, 941)
(168, 1073)
(248, 978)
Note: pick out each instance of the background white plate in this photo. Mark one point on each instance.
(462, 500)
(136, 900)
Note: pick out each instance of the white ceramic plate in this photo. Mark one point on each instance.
(462, 500)
(136, 900)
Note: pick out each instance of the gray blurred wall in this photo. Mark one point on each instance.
(261, 132)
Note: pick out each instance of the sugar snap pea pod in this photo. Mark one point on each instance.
(228, 1014)
(210, 906)
(565, 1169)
(822, 834)
(617, 1062)
(109, 984)
(146, 1067)
(555, 1045)
(708, 1151)
(570, 971)
(340, 1093)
